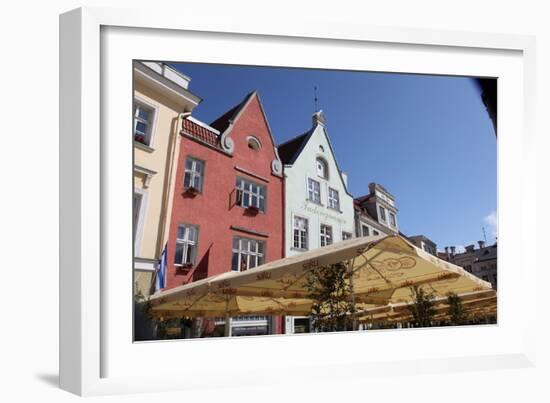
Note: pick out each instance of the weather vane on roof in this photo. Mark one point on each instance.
(315, 96)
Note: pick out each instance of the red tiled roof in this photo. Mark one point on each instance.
(199, 132)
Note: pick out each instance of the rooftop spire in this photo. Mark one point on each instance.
(315, 96)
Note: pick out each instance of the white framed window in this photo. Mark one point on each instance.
(333, 199)
(250, 194)
(393, 222)
(374, 232)
(346, 235)
(194, 174)
(382, 213)
(300, 233)
(136, 212)
(322, 168)
(186, 244)
(143, 123)
(247, 253)
(139, 211)
(326, 235)
(365, 230)
(314, 190)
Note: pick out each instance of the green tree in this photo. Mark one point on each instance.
(331, 289)
(422, 309)
(457, 315)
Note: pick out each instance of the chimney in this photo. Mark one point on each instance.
(344, 177)
(447, 252)
(470, 248)
(481, 244)
(453, 249)
(318, 118)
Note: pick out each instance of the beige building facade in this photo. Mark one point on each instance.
(161, 100)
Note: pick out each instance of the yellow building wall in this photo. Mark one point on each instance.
(159, 160)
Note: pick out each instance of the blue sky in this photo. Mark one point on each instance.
(427, 139)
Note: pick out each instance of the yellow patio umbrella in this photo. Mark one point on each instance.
(474, 303)
(383, 270)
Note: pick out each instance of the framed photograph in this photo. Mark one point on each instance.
(240, 198)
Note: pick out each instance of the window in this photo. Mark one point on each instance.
(322, 168)
(374, 232)
(333, 199)
(250, 194)
(247, 318)
(392, 220)
(300, 236)
(186, 244)
(382, 213)
(247, 254)
(468, 268)
(136, 212)
(143, 120)
(346, 235)
(485, 278)
(194, 172)
(364, 230)
(302, 325)
(253, 143)
(314, 190)
(326, 235)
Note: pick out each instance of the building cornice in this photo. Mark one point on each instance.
(165, 86)
(249, 231)
(247, 172)
(147, 172)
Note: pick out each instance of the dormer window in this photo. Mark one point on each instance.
(382, 213)
(322, 168)
(253, 143)
(393, 222)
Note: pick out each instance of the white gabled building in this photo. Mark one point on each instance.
(318, 206)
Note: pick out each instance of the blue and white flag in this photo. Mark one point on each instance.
(160, 280)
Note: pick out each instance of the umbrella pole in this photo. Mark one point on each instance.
(353, 316)
(227, 330)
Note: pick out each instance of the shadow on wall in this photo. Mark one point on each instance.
(201, 271)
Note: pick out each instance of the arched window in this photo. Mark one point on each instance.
(253, 143)
(322, 168)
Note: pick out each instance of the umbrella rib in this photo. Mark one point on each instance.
(295, 281)
(195, 301)
(378, 272)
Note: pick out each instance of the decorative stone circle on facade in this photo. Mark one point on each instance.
(276, 164)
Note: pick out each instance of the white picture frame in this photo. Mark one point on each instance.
(91, 357)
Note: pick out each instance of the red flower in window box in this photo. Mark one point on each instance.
(184, 268)
(191, 191)
(253, 209)
(139, 138)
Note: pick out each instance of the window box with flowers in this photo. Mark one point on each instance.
(183, 268)
(253, 210)
(191, 191)
(140, 138)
